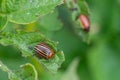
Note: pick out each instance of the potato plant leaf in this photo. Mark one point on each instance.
(83, 6)
(27, 11)
(26, 42)
(23, 41)
(53, 64)
(11, 75)
(26, 72)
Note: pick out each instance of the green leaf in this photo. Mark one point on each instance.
(82, 34)
(26, 72)
(51, 21)
(27, 11)
(71, 73)
(74, 10)
(11, 75)
(3, 22)
(65, 16)
(53, 64)
(23, 41)
(26, 42)
(83, 6)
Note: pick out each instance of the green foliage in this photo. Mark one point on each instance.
(26, 72)
(13, 34)
(26, 42)
(71, 72)
(3, 22)
(92, 55)
(83, 7)
(76, 8)
(51, 22)
(55, 63)
(23, 41)
(27, 11)
(104, 62)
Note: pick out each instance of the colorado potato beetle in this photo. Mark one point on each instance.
(85, 22)
(43, 50)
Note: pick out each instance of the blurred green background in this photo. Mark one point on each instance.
(98, 60)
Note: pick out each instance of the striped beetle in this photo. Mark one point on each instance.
(43, 50)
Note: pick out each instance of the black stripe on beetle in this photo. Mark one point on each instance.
(43, 50)
(85, 22)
